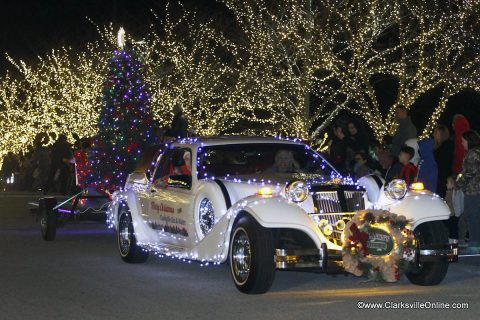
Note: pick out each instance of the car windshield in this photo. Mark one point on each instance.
(260, 159)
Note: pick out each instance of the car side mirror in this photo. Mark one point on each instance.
(180, 181)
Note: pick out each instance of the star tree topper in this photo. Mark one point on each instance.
(121, 38)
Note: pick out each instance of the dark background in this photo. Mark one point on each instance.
(34, 27)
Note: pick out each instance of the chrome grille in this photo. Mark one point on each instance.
(327, 202)
(333, 209)
(354, 200)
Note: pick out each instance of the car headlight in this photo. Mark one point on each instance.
(396, 189)
(297, 191)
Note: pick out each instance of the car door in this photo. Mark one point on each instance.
(171, 198)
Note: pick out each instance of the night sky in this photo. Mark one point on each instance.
(34, 27)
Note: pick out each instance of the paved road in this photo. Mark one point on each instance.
(80, 276)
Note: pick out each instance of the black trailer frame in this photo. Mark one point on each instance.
(54, 212)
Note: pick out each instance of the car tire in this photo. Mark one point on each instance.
(127, 242)
(429, 273)
(251, 256)
(48, 218)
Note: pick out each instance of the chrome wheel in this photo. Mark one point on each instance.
(128, 248)
(241, 256)
(124, 235)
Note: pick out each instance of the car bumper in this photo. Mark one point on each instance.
(327, 260)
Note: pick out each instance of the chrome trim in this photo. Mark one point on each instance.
(241, 256)
(301, 258)
(355, 200)
(332, 219)
(327, 202)
(449, 251)
(335, 206)
(124, 235)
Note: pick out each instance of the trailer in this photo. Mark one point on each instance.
(54, 212)
(88, 204)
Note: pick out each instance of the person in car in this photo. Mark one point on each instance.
(183, 166)
(284, 163)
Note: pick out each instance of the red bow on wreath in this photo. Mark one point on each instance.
(359, 237)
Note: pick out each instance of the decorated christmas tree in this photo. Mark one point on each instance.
(125, 125)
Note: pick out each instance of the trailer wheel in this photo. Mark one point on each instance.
(127, 242)
(48, 218)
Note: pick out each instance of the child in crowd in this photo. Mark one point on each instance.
(360, 168)
(409, 170)
(454, 199)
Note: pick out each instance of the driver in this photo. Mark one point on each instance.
(183, 166)
(284, 163)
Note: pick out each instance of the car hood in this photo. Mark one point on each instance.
(242, 186)
(277, 178)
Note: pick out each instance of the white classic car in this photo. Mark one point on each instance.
(261, 204)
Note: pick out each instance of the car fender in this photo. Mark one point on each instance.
(420, 208)
(130, 198)
(213, 192)
(274, 212)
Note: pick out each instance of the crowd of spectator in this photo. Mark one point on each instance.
(353, 153)
(50, 169)
(57, 168)
(448, 164)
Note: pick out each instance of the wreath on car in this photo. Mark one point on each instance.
(378, 244)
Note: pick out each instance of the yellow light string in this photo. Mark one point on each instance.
(291, 68)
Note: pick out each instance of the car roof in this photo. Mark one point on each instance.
(223, 140)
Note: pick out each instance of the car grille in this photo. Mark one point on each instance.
(354, 200)
(327, 202)
(331, 202)
(334, 209)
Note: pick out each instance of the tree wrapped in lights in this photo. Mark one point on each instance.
(457, 52)
(60, 94)
(279, 54)
(187, 66)
(13, 120)
(289, 67)
(414, 46)
(125, 124)
(306, 60)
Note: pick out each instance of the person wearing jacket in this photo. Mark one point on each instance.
(460, 126)
(405, 130)
(338, 149)
(357, 140)
(428, 169)
(455, 201)
(409, 170)
(179, 126)
(469, 182)
(61, 154)
(443, 156)
(390, 166)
